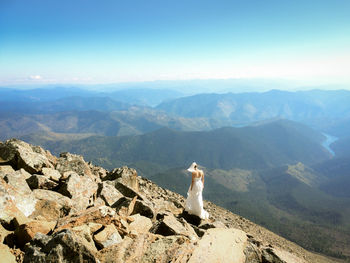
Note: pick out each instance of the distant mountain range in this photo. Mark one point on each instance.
(264, 146)
(134, 120)
(326, 111)
(261, 158)
(310, 107)
(133, 96)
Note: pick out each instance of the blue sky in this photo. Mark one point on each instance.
(86, 41)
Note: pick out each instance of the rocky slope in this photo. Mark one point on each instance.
(62, 209)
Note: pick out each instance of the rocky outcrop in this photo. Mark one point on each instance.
(20, 154)
(66, 210)
(108, 193)
(63, 246)
(80, 189)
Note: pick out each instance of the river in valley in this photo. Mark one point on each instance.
(329, 140)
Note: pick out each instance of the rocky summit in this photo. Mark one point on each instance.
(63, 209)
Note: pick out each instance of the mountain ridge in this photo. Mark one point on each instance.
(227, 147)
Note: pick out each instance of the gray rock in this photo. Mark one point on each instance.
(18, 191)
(64, 203)
(10, 215)
(144, 208)
(20, 154)
(125, 175)
(276, 255)
(86, 234)
(140, 224)
(252, 254)
(25, 232)
(135, 206)
(127, 190)
(81, 189)
(6, 169)
(169, 225)
(51, 174)
(269, 256)
(18, 181)
(108, 193)
(147, 248)
(108, 236)
(47, 210)
(101, 215)
(71, 162)
(98, 171)
(37, 181)
(63, 246)
(199, 231)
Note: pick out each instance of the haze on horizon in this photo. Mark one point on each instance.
(89, 42)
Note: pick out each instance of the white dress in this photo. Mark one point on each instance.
(194, 201)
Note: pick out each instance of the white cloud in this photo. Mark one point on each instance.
(35, 77)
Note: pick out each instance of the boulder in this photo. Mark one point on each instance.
(14, 205)
(81, 189)
(63, 246)
(127, 190)
(274, 255)
(140, 224)
(26, 232)
(18, 181)
(99, 202)
(127, 206)
(51, 174)
(71, 162)
(125, 175)
(108, 236)
(19, 192)
(37, 181)
(48, 210)
(6, 255)
(86, 234)
(10, 215)
(98, 171)
(164, 206)
(148, 248)
(199, 231)
(109, 194)
(47, 200)
(144, 208)
(169, 225)
(20, 154)
(221, 245)
(6, 169)
(94, 227)
(252, 253)
(101, 215)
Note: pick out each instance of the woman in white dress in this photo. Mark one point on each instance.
(194, 201)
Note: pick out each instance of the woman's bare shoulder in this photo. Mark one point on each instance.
(196, 173)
